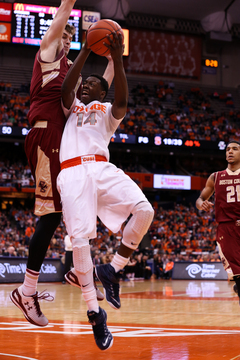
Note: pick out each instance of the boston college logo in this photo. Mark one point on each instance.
(43, 186)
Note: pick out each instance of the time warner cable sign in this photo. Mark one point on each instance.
(199, 271)
(13, 270)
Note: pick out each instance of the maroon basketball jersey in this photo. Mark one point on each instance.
(45, 90)
(227, 195)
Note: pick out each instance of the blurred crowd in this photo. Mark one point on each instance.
(150, 112)
(191, 117)
(179, 234)
(15, 174)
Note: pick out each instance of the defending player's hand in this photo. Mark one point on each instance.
(86, 43)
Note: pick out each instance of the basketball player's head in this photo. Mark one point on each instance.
(67, 36)
(95, 87)
(233, 152)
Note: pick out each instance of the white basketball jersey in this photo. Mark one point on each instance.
(88, 130)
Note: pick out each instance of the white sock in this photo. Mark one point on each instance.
(91, 299)
(88, 289)
(29, 287)
(119, 262)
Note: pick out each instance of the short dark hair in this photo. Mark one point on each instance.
(233, 141)
(70, 29)
(104, 82)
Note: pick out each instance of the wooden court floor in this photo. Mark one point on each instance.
(158, 320)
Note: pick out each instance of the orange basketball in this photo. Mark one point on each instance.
(96, 35)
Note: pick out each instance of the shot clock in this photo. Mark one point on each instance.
(212, 63)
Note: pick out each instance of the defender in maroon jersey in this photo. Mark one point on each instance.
(226, 185)
(42, 149)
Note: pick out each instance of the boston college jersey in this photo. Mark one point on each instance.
(227, 195)
(89, 128)
(45, 90)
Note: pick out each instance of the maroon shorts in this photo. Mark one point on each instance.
(228, 237)
(42, 146)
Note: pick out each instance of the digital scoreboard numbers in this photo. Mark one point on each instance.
(211, 63)
(30, 23)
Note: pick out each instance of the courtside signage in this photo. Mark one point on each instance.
(89, 18)
(12, 269)
(199, 271)
(171, 182)
(13, 131)
(5, 12)
(5, 32)
(144, 141)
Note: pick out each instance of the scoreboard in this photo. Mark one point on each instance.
(30, 23)
(144, 141)
(26, 24)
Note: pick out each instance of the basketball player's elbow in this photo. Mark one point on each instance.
(119, 112)
(122, 104)
(122, 100)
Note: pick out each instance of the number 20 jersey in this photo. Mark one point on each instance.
(227, 195)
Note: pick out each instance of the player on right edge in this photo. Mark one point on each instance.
(226, 185)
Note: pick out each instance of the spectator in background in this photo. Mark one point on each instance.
(167, 274)
(147, 271)
(158, 266)
(30, 230)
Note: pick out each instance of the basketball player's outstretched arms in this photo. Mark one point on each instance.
(70, 81)
(119, 106)
(121, 88)
(51, 43)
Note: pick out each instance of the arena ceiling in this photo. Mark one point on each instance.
(178, 9)
(184, 9)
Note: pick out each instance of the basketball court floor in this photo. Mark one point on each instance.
(158, 320)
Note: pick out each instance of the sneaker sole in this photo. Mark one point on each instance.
(23, 311)
(105, 293)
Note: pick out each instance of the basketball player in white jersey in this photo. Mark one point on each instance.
(90, 186)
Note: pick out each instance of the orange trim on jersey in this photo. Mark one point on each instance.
(82, 160)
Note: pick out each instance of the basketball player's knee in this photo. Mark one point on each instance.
(143, 216)
(82, 256)
(138, 225)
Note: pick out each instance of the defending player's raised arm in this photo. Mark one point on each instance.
(71, 79)
(53, 37)
(202, 202)
(109, 71)
(119, 106)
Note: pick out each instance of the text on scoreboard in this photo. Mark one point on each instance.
(30, 23)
